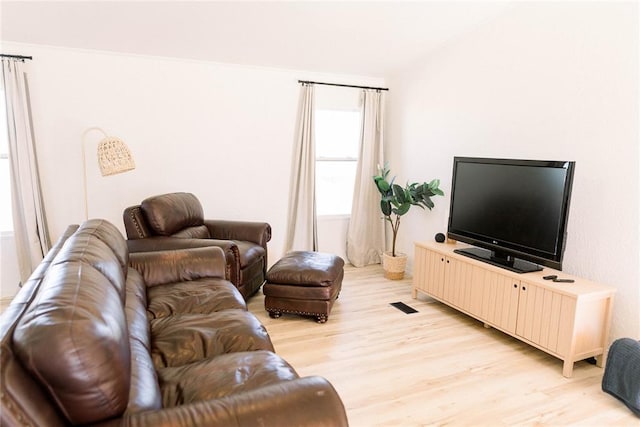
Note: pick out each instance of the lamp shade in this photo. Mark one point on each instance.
(114, 156)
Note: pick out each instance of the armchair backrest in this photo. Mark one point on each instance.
(173, 214)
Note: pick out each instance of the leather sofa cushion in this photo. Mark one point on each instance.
(187, 338)
(222, 376)
(88, 248)
(79, 318)
(110, 235)
(169, 213)
(201, 296)
(144, 392)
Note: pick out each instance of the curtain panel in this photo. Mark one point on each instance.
(302, 229)
(29, 219)
(365, 235)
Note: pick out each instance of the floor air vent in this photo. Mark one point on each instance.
(404, 307)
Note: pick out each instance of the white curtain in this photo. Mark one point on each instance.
(29, 221)
(365, 235)
(302, 233)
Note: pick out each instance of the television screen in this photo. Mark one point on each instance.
(515, 209)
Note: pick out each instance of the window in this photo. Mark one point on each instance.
(6, 221)
(337, 135)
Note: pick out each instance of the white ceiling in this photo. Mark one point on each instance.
(368, 38)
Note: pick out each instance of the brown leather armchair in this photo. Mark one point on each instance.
(176, 220)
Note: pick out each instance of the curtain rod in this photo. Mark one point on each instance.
(341, 85)
(19, 57)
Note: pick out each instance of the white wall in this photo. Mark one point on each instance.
(222, 132)
(9, 270)
(544, 80)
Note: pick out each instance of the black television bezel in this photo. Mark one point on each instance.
(505, 254)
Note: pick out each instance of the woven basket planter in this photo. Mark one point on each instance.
(394, 266)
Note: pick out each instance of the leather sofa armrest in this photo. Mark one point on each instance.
(153, 244)
(250, 231)
(179, 265)
(309, 401)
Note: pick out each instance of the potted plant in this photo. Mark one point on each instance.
(395, 202)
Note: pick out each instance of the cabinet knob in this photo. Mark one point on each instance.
(515, 285)
(524, 288)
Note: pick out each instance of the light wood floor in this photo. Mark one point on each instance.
(434, 367)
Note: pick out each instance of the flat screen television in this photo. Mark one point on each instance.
(514, 212)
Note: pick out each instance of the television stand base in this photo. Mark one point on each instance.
(514, 264)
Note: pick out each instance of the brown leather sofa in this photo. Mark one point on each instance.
(97, 336)
(152, 225)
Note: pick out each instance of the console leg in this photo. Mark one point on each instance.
(567, 368)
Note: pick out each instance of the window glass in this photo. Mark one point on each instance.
(337, 135)
(334, 187)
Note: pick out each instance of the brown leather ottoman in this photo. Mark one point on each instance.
(304, 283)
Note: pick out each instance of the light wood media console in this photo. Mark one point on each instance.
(567, 320)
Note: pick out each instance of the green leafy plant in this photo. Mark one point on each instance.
(396, 201)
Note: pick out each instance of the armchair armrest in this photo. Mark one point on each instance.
(250, 231)
(134, 223)
(309, 401)
(170, 266)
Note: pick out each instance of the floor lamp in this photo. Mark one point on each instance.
(114, 157)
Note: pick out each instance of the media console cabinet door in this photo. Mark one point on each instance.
(458, 284)
(546, 318)
(497, 299)
(429, 272)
